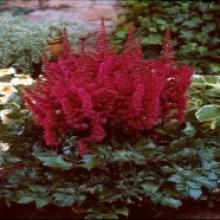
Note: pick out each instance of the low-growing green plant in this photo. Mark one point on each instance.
(194, 25)
(22, 42)
(183, 164)
(205, 92)
(176, 164)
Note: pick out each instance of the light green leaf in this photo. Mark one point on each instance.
(122, 211)
(90, 162)
(171, 202)
(25, 198)
(51, 159)
(208, 113)
(150, 187)
(195, 193)
(42, 201)
(64, 199)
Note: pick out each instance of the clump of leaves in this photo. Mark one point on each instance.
(113, 176)
(194, 24)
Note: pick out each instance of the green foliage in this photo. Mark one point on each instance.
(22, 42)
(110, 178)
(194, 25)
(51, 159)
(183, 164)
(205, 92)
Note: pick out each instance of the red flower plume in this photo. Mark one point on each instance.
(97, 93)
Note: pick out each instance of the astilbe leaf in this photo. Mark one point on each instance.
(96, 93)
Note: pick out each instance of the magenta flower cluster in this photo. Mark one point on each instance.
(98, 92)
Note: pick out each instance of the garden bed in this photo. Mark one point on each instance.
(110, 135)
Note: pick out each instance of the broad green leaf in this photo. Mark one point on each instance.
(195, 193)
(150, 187)
(175, 178)
(25, 198)
(53, 160)
(171, 202)
(121, 155)
(42, 201)
(63, 200)
(152, 39)
(122, 211)
(215, 67)
(208, 113)
(90, 162)
(193, 22)
(205, 181)
(213, 176)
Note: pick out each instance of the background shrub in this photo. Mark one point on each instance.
(195, 27)
(23, 42)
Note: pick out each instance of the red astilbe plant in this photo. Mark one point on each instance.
(101, 92)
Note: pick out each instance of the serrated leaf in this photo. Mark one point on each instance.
(205, 181)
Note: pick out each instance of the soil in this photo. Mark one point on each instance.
(190, 210)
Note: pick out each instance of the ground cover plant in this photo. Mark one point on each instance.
(22, 42)
(168, 160)
(193, 24)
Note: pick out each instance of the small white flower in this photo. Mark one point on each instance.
(3, 115)
(22, 81)
(7, 89)
(4, 146)
(9, 71)
(4, 99)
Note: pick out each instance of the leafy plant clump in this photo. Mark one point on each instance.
(181, 163)
(103, 94)
(22, 42)
(194, 25)
(106, 182)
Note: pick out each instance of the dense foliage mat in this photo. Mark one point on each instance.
(194, 25)
(164, 169)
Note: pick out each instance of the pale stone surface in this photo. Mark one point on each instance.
(86, 13)
(69, 3)
(22, 3)
(96, 12)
